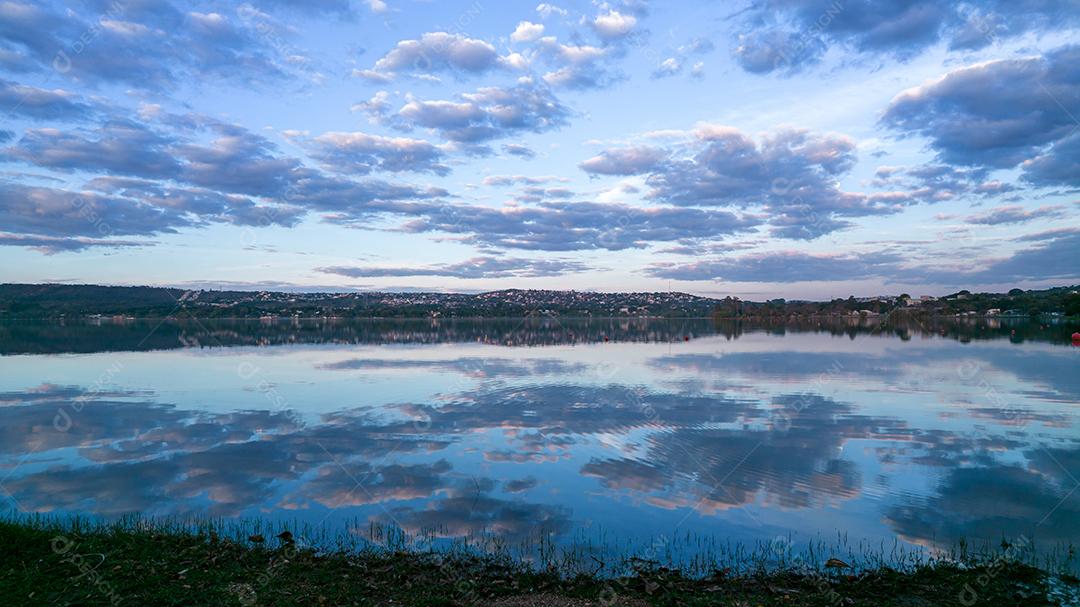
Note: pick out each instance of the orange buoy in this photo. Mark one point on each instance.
(686, 338)
(1076, 337)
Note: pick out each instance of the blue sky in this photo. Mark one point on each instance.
(771, 148)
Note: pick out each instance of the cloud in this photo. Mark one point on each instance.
(527, 31)
(439, 52)
(361, 153)
(698, 46)
(1048, 234)
(377, 108)
(785, 266)
(159, 179)
(613, 25)
(790, 174)
(939, 182)
(350, 201)
(118, 147)
(372, 76)
(32, 102)
(50, 245)
(1059, 164)
(320, 7)
(625, 161)
(504, 180)
(477, 267)
(1050, 258)
(53, 219)
(513, 149)
(788, 36)
(50, 212)
(674, 65)
(237, 161)
(203, 205)
(546, 10)
(144, 45)
(668, 67)
(573, 226)
(539, 194)
(999, 115)
(578, 66)
(1016, 214)
(488, 113)
(764, 51)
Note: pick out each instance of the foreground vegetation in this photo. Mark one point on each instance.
(51, 563)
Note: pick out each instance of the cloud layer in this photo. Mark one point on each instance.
(1000, 114)
(577, 130)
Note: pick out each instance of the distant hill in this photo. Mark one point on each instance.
(58, 300)
(52, 301)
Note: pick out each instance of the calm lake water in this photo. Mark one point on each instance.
(617, 432)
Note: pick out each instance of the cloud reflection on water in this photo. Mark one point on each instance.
(887, 436)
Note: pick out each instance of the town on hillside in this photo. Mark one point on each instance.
(60, 300)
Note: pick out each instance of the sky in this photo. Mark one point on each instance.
(769, 148)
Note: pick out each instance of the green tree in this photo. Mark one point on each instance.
(1072, 304)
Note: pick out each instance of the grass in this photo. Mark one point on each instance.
(133, 562)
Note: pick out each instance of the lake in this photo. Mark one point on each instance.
(607, 433)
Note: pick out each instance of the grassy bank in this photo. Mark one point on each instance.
(49, 563)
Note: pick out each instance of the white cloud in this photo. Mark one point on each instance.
(439, 51)
(527, 31)
(669, 67)
(613, 25)
(547, 10)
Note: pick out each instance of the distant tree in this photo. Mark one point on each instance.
(905, 296)
(1072, 304)
(728, 308)
(1016, 292)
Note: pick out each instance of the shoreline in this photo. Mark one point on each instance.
(48, 562)
(119, 318)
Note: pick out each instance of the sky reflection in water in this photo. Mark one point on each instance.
(801, 434)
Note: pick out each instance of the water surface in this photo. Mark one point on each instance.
(613, 431)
